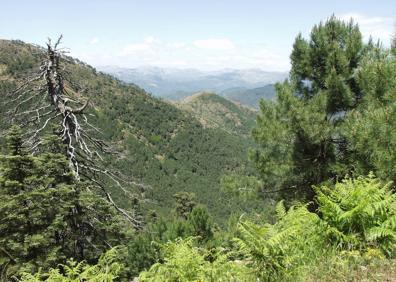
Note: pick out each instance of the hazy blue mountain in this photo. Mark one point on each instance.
(250, 97)
(175, 84)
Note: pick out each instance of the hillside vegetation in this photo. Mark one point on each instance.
(213, 111)
(159, 145)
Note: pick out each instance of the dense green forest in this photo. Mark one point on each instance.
(309, 195)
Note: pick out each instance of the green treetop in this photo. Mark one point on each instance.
(300, 136)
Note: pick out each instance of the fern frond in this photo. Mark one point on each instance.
(380, 232)
(280, 209)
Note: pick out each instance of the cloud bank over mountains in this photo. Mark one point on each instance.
(217, 53)
(204, 54)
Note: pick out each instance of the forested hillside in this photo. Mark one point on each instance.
(214, 111)
(159, 145)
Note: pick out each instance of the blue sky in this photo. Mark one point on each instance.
(200, 34)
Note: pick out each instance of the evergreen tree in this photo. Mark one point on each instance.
(200, 223)
(370, 128)
(300, 134)
(185, 202)
(46, 216)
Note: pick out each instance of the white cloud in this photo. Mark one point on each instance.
(214, 44)
(170, 63)
(246, 58)
(134, 48)
(152, 40)
(381, 28)
(147, 46)
(94, 40)
(149, 40)
(200, 54)
(177, 45)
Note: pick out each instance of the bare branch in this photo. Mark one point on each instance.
(51, 97)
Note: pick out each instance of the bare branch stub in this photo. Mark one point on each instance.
(48, 98)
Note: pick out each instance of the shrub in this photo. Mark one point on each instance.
(359, 214)
(106, 270)
(185, 262)
(277, 252)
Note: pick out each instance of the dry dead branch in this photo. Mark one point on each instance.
(49, 97)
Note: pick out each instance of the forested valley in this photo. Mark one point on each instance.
(101, 181)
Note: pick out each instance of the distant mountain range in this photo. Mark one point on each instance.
(176, 84)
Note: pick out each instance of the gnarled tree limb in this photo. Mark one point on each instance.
(47, 98)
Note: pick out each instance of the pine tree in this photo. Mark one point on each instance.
(299, 134)
(199, 223)
(370, 128)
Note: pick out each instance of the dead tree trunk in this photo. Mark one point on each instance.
(71, 131)
(47, 98)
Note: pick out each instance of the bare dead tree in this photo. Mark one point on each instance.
(50, 97)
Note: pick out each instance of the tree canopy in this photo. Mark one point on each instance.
(329, 114)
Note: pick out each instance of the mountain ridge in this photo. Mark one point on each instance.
(175, 84)
(250, 97)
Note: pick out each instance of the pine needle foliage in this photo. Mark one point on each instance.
(299, 134)
(46, 217)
